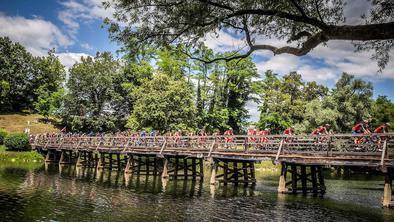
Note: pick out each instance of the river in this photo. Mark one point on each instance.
(33, 193)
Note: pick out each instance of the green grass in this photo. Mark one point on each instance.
(267, 166)
(21, 157)
(17, 122)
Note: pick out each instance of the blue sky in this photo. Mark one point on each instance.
(74, 28)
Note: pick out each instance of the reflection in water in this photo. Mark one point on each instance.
(87, 194)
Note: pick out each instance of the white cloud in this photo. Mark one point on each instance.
(280, 64)
(253, 111)
(341, 55)
(68, 59)
(86, 46)
(223, 42)
(36, 34)
(310, 73)
(86, 11)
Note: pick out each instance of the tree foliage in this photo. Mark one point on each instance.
(307, 23)
(26, 82)
(163, 104)
(382, 111)
(17, 76)
(17, 141)
(283, 100)
(354, 101)
(91, 93)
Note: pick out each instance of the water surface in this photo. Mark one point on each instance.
(39, 194)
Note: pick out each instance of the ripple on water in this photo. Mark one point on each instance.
(37, 195)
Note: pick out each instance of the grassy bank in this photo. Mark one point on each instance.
(267, 166)
(21, 157)
(17, 122)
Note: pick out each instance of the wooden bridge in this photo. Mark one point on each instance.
(232, 158)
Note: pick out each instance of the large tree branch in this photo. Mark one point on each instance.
(300, 35)
(279, 14)
(306, 47)
(382, 31)
(215, 4)
(298, 8)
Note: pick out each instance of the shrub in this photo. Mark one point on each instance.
(17, 142)
(3, 134)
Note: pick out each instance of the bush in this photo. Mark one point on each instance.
(3, 134)
(17, 142)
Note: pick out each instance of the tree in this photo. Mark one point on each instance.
(313, 91)
(283, 101)
(17, 74)
(239, 88)
(317, 113)
(50, 76)
(354, 101)
(88, 104)
(308, 23)
(274, 104)
(163, 104)
(382, 111)
(27, 80)
(49, 104)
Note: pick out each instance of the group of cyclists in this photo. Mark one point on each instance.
(253, 135)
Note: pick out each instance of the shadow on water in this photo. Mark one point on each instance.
(68, 193)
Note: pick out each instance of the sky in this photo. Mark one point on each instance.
(75, 28)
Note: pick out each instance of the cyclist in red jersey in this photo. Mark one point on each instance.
(384, 128)
(228, 135)
(321, 130)
(361, 127)
(289, 131)
(251, 135)
(263, 133)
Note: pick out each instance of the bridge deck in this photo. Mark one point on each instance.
(374, 150)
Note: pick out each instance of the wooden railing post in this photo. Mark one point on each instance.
(212, 148)
(163, 147)
(329, 149)
(278, 153)
(383, 155)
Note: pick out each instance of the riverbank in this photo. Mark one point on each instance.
(20, 157)
(18, 122)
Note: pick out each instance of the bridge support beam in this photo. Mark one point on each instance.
(388, 190)
(141, 164)
(282, 179)
(233, 171)
(85, 159)
(51, 156)
(183, 168)
(67, 157)
(304, 178)
(129, 165)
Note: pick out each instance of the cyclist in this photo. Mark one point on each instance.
(251, 135)
(359, 128)
(289, 131)
(203, 136)
(384, 128)
(177, 136)
(228, 135)
(263, 133)
(322, 130)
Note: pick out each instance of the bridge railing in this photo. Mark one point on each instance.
(336, 143)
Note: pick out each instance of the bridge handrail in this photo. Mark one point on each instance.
(291, 143)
